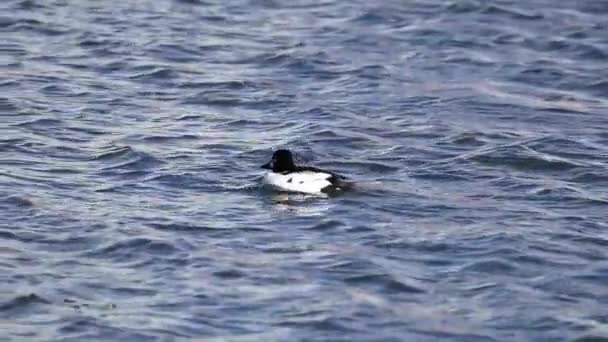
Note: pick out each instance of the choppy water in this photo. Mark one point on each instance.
(132, 133)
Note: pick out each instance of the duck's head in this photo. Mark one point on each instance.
(282, 160)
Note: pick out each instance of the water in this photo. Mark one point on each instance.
(131, 138)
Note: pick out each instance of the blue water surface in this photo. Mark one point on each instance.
(131, 204)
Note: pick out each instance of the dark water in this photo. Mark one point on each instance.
(130, 198)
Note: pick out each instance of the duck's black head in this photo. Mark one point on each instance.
(281, 161)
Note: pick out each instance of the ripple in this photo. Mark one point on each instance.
(176, 53)
(113, 153)
(472, 139)
(17, 201)
(327, 225)
(21, 304)
(156, 74)
(390, 285)
(91, 329)
(590, 177)
(512, 13)
(463, 6)
(194, 2)
(131, 249)
(600, 88)
(38, 27)
(591, 338)
(523, 158)
(124, 160)
(189, 117)
(491, 266)
(6, 22)
(440, 175)
(41, 123)
(226, 85)
(229, 274)
(7, 106)
(363, 167)
(163, 139)
(568, 193)
(181, 227)
(327, 324)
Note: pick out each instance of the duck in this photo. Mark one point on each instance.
(285, 175)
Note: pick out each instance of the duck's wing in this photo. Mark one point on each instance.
(330, 176)
(337, 182)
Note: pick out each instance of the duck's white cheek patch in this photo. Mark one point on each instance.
(307, 182)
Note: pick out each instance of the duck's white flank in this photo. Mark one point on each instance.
(305, 181)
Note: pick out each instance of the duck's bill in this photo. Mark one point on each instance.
(267, 166)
